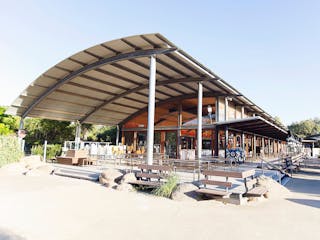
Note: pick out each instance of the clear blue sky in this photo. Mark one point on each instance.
(268, 50)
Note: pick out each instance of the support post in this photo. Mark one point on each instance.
(163, 142)
(21, 134)
(135, 140)
(262, 147)
(217, 113)
(242, 141)
(242, 112)
(216, 141)
(123, 138)
(199, 131)
(151, 109)
(226, 141)
(117, 137)
(226, 106)
(254, 146)
(78, 134)
(179, 131)
(45, 151)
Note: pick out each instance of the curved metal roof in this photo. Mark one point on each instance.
(108, 83)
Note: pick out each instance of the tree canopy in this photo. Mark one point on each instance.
(8, 124)
(306, 127)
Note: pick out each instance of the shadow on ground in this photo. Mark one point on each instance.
(8, 235)
(307, 202)
(306, 182)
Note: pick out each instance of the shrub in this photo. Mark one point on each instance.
(10, 150)
(53, 150)
(166, 189)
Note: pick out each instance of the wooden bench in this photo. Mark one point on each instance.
(151, 176)
(221, 188)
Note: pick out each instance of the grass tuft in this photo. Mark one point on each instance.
(166, 189)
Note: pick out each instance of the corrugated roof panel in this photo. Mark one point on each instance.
(113, 80)
(54, 115)
(34, 90)
(125, 74)
(130, 103)
(139, 42)
(117, 107)
(168, 90)
(84, 57)
(213, 86)
(119, 46)
(57, 73)
(182, 88)
(146, 61)
(91, 83)
(69, 64)
(63, 106)
(84, 91)
(101, 51)
(177, 65)
(45, 81)
(74, 98)
(138, 96)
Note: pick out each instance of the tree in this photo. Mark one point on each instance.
(107, 134)
(55, 132)
(306, 127)
(8, 124)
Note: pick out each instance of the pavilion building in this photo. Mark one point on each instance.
(160, 98)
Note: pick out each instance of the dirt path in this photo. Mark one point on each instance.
(51, 207)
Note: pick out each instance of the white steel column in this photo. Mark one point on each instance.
(20, 134)
(226, 109)
(199, 131)
(117, 137)
(242, 112)
(77, 137)
(217, 113)
(151, 109)
(254, 145)
(243, 141)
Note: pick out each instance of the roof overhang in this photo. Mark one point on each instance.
(108, 83)
(256, 125)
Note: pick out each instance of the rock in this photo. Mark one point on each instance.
(185, 192)
(46, 169)
(13, 169)
(125, 187)
(33, 161)
(275, 190)
(111, 174)
(129, 177)
(106, 182)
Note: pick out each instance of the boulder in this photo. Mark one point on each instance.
(111, 174)
(106, 182)
(275, 189)
(129, 177)
(185, 192)
(125, 187)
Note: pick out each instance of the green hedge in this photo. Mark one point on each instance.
(53, 150)
(9, 150)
